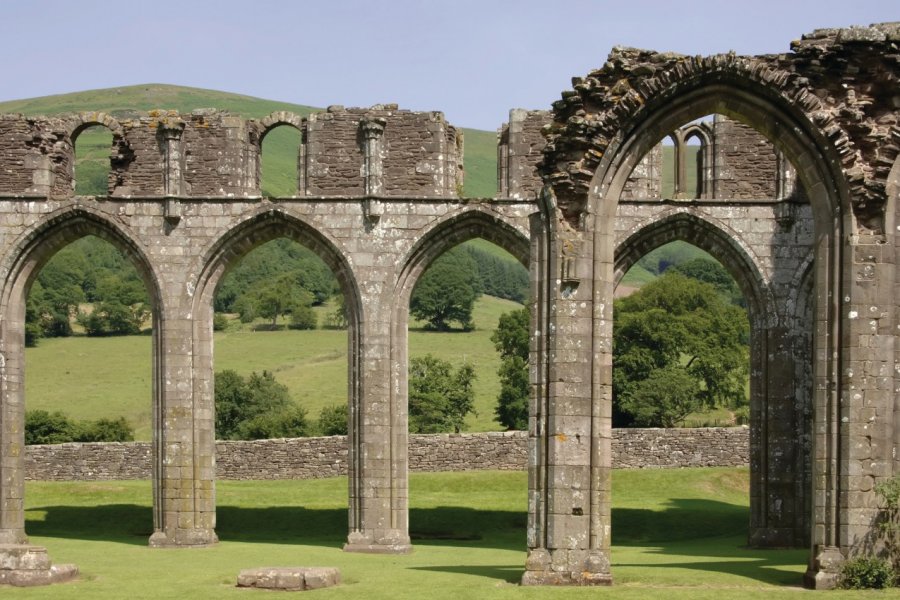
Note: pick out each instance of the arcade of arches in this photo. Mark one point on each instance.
(808, 227)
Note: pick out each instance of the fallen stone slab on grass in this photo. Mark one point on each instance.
(289, 578)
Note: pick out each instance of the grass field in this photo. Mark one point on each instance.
(676, 534)
(89, 378)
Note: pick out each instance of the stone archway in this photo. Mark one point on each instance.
(20, 268)
(583, 189)
(265, 225)
(456, 227)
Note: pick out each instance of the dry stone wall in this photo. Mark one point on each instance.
(314, 458)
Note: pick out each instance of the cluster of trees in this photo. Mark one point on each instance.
(279, 279)
(447, 291)
(440, 396)
(42, 427)
(258, 407)
(88, 271)
(680, 345)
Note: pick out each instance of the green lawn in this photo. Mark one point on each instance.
(676, 533)
(90, 378)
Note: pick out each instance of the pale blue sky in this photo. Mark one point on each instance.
(471, 59)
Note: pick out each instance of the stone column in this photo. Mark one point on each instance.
(570, 423)
(20, 562)
(379, 521)
(183, 437)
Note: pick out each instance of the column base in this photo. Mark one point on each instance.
(184, 538)
(23, 565)
(566, 567)
(825, 570)
(389, 543)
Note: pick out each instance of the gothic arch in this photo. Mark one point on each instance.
(715, 238)
(261, 226)
(28, 254)
(599, 134)
(467, 223)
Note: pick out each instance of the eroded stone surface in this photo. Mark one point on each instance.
(289, 578)
(23, 565)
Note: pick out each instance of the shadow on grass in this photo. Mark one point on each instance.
(707, 533)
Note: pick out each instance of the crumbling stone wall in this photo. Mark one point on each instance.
(315, 458)
(745, 165)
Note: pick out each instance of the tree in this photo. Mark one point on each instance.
(333, 420)
(42, 427)
(255, 407)
(447, 292)
(439, 397)
(511, 339)
(279, 297)
(713, 273)
(114, 318)
(673, 328)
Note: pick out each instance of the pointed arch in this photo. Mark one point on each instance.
(27, 255)
(714, 237)
(263, 225)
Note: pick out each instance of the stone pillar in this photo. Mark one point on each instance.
(173, 177)
(373, 140)
(21, 563)
(379, 521)
(570, 423)
(183, 437)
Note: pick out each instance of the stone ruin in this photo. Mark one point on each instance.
(809, 228)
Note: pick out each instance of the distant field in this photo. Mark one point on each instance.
(89, 378)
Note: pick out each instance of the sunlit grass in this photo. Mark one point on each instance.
(676, 534)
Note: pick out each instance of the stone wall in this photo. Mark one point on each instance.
(312, 458)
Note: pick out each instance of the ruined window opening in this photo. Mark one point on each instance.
(93, 148)
(693, 150)
(280, 162)
(668, 172)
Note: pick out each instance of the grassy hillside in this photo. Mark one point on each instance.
(279, 148)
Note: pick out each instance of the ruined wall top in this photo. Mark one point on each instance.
(842, 83)
(377, 151)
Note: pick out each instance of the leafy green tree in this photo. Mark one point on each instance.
(679, 326)
(42, 427)
(713, 273)
(511, 339)
(439, 396)
(114, 318)
(446, 292)
(289, 421)
(270, 261)
(279, 297)
(106, 430)
(333, 420)
(255, 407)
(303, 317)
